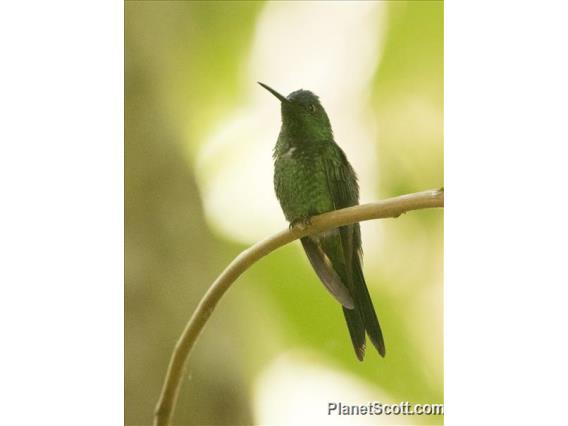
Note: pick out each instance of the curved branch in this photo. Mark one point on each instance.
(392, 207)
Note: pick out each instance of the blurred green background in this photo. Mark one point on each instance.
(198, 178)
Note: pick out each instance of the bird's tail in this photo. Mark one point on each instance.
(356, 330)
(363, 317)
(343, 277)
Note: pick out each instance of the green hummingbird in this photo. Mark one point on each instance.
(312, 176)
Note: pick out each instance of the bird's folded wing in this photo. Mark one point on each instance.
(324, 269)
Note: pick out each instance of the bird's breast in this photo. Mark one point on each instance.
(301, 184)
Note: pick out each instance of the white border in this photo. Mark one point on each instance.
(505, 217)
(61, 214)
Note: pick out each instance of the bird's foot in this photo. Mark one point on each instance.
(301, 223)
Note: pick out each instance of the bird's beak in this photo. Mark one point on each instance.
(274, 92)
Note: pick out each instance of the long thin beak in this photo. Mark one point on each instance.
(274, 92)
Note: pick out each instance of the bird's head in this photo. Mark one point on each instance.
(303, 115)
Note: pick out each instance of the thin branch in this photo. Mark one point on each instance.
(392, 207)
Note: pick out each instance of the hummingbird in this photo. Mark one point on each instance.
(312, 176)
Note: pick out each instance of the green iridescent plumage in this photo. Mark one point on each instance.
(312, 176)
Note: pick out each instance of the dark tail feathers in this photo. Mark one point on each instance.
(363, 317)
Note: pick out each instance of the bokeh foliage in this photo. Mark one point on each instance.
(183, 72)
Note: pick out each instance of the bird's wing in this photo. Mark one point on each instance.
(341, 177)
(344, 191)
(325, 252)
(324, 268)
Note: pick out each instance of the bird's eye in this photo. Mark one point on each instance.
(312, 108)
